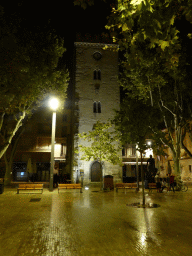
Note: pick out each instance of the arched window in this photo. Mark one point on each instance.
(95, 107)
(99, 107)
(97, 74)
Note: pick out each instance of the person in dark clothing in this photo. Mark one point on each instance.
(157, 180)
(168, 182)
(151, 164)
(151, 172)
(172, 182)
(55, 180)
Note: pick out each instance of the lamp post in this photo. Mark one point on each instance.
(82, 176)
(54, 105)
(137, 167)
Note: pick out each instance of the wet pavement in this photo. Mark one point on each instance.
(95, 223)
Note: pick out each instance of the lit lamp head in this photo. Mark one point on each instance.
(149, 143)
(54, 104)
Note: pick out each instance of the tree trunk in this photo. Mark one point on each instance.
(3, 149)
(102, 177)
(137, 169)
(177, 151)
(9, 138)
(177, 169)
(8, 176)
(9, 162)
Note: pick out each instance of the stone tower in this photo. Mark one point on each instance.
(97, 94)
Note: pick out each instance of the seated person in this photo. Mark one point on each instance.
(163, 185)
(157, 180)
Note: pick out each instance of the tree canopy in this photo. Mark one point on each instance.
(29, 72)
(154, 36)
(104, 145)
(134, 122)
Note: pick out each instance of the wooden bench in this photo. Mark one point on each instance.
(153, 186)
(30, 186)
(69, 186)
(125, 185)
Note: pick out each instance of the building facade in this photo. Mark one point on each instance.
(97, 94)
(131, 158)
(165, 163)
(33, 152)
(93, 96)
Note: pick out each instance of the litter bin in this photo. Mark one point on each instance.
(1, 185)
(108, 182)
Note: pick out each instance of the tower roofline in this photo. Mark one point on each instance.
(99, 45)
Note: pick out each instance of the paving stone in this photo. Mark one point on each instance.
(90, 224)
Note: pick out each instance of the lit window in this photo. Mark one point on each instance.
(130, 151)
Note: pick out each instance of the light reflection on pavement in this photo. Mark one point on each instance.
(95, 223)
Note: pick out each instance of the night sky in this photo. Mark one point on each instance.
(68, 20)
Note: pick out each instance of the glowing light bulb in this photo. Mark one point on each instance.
(54, 103)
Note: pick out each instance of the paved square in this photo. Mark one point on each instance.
(94, 223)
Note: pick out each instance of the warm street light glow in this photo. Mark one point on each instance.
(149, 143)
(54, 103)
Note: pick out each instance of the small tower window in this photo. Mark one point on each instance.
(94, 107)
(97, 107)
(97, 55)
(97, 74)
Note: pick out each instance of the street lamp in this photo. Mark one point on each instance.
(149, 143)
(137, 166)
(54, 105)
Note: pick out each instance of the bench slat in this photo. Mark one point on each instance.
(69, 186)
(30, 187)
(125, 185)
(122, 185)
(152, 185)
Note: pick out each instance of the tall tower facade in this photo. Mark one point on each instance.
(97, 94)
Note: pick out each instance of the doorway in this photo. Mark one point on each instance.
(96, 172)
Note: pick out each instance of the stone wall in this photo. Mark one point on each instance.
(186, 168)
(89, 90)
